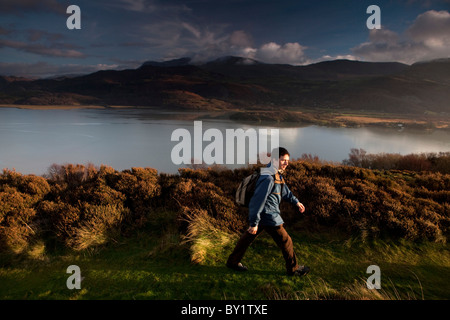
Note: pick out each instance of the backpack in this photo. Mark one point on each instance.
(246, 189)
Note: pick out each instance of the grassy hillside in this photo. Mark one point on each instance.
(137, 234)
(154, 265)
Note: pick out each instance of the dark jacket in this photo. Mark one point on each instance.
(264, 206)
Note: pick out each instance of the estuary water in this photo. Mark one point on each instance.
(32, 140)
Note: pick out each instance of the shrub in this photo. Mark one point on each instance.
(85, 206)
(205, 235)
(393, 203)
(102, 225)
(18, 196)
(435, 162)
(140, 188)
(195, 191)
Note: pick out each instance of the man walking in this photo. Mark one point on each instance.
(264, 214)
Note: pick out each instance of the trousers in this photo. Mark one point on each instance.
(281, 238)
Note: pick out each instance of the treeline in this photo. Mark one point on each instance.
(80, 207)
(435, 162)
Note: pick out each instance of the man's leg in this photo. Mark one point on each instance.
(241, 247)
(284, 242)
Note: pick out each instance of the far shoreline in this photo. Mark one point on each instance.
(286, 116)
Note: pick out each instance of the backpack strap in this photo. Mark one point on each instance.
(278, 179)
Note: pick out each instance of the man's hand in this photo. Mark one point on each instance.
(301, 207)
(252, 230)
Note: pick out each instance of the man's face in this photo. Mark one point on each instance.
(283, 162)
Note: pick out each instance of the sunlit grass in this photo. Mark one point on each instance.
(153, 265)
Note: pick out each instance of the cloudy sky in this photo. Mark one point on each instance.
(118, 34)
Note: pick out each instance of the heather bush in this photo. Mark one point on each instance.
(18, 196)
(60, 219)
(88, 206)
(70, 174)
(435, 162)
(393, 203)
(101, 225)
(32, 185)
(83, 206)
(196, 190)
(16, 216)
(140, 188)
(355, 200)
(371, 203)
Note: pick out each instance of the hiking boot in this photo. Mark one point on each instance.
(238, 267)
(301, 271)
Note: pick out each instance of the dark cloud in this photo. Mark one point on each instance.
(180, 38)
(427, 38)
(39, 42)
(287, 31)
(20, 6)
(4, 31)
(56, 50)
(151, 6)
(37, 35)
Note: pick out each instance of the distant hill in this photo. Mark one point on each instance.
(171, 63)
(328, 70)
(235, 82)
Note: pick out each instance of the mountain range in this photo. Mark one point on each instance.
(241, 83)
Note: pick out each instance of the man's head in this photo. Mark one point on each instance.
(280, 158)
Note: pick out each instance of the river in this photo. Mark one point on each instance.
(32, 140)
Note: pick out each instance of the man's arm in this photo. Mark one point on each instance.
(263, 188)
(301, 207)
(289, 196)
